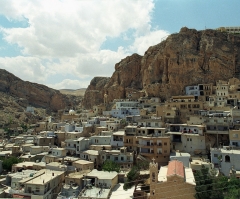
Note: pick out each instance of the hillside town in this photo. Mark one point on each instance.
(127, 148)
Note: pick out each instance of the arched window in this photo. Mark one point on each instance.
(153, 177)
(227, 158)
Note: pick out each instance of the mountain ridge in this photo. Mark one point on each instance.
(185, 58)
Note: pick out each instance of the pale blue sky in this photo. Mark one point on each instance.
(64, 44)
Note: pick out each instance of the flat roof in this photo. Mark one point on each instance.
(180, 154)
(5, 152)
(180, 133)
(227, 151)
(189, 177)
(78, 175)
(102, 174)
(56, 164)
(38, 147)
(21, 164)
(61, 149)
(119, 133)
(27, 145)
(119, 193)
(83, 162)
(96, 192)
(27, 156)
(23, 174)
(45, 177)
(162, 175)
(91, 152)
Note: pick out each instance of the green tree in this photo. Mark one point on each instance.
(203, 184)
(25, 127)
(111, 166)
(233, 189)
(8, 162)
(133, 175)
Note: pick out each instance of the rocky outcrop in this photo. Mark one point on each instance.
(94, 93)
(36, 95)
(186, 58)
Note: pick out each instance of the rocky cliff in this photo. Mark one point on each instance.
(187, 58)
(33, 94)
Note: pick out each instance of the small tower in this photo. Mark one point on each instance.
(105, 99)
(153, 168)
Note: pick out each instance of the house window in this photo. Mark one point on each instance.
(235, 143)
(215, 155)
(227, 158)
(165, 143)
(122, 158)
(235, 135)
(116, 158)
(153, 177)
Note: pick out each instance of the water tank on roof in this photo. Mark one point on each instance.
(71, 112)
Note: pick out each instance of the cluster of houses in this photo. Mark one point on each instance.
(63, 159)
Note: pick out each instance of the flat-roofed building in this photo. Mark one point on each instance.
(188, 138)
(122, 157)
(82, 165)
(227, 160)
(91, 155)
(45, 184)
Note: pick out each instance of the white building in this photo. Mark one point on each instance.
(227, 160)
(100, 140)
(188, 138)
(117, 139)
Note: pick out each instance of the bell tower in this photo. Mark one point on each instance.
(153, 168)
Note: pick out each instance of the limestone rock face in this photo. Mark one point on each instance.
(94, 93)
(186, 58)
(37, 95)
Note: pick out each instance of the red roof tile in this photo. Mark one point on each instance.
(175, 167)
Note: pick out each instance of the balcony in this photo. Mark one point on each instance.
(146, 154)
(145, 146)
(176, 140)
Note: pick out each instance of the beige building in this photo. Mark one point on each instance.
(60, 137)
(83, 165)
(76, 177)
(45, 184)
(178, 108)
(172, 181)
(34, 150)
(98, 109)
(44, 141)
(234, 138)
(148, 142)
(40, 126)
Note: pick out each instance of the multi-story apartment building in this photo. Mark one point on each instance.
(200, 91)
(178, 108)
(148, 142)
(124, 108)
(45, 184)
(117, 139)
(188, 138)
(122, 157)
